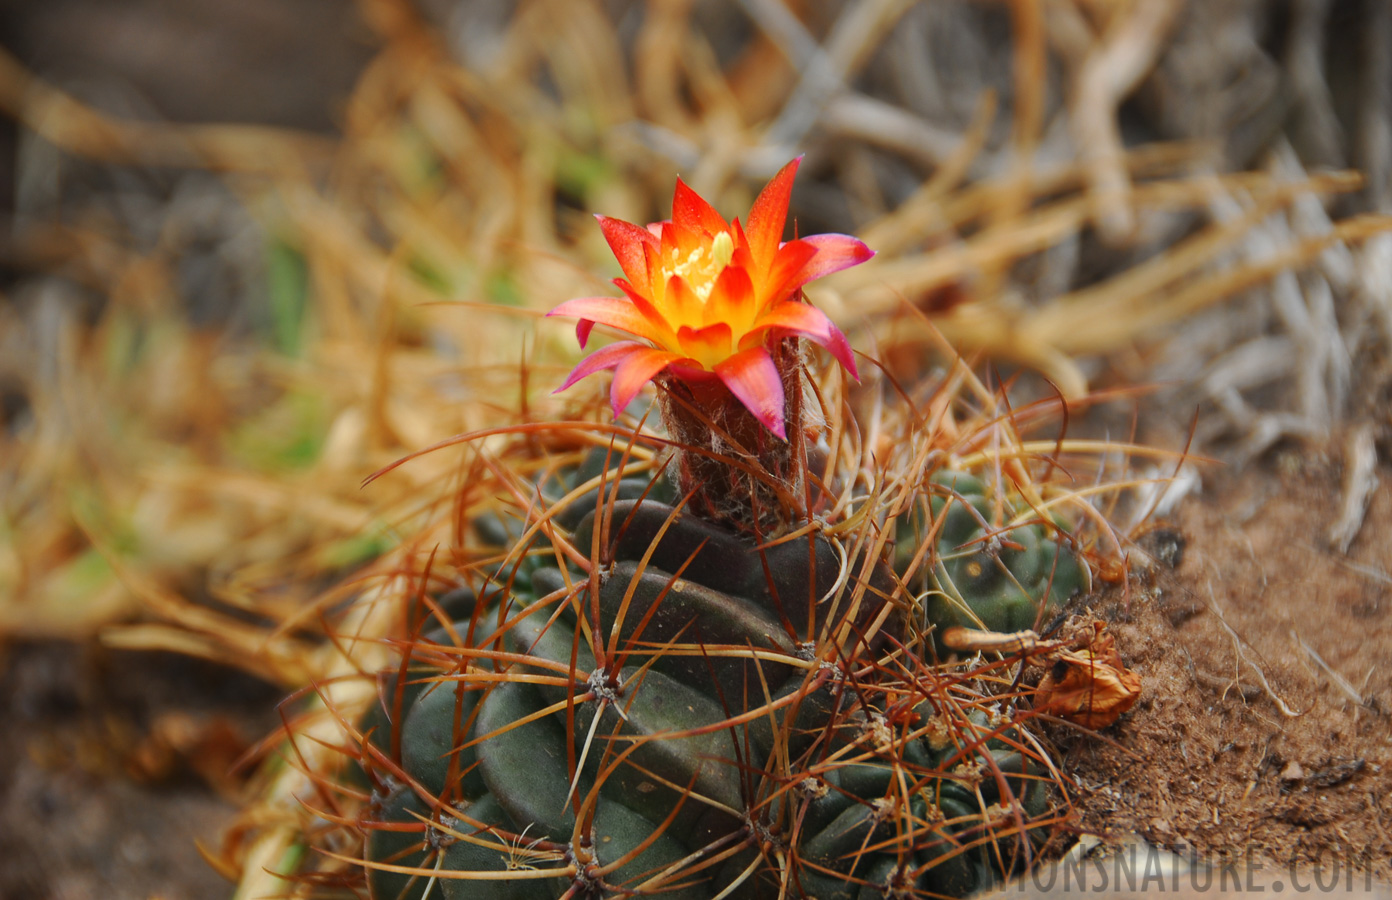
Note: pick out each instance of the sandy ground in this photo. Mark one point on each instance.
(1244, 741)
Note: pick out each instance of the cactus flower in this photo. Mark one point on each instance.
(705, 297)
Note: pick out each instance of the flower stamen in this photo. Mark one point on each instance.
(702, 266)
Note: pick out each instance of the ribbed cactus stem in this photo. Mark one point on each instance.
(737, 472)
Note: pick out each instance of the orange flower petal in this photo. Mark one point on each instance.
(768, 215)
(688, 240)
(683, 307)
(790, 260)
(711, 304)
(648, 311)
(691, 210)
(741, 244)
(627, 241)
(657, 281)
(731, 300)
(707, 345)
(754, 380)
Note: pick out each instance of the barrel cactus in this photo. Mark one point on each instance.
(713, 680)
(997, 565)
(733, 732)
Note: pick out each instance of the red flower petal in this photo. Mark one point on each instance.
(741, 242)
(668, 242)
(627, 242)
(769, 213)
(754, 380)
(691, 210)
(637, 369)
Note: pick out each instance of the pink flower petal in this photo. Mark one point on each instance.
(769, 213)
(754, 380)
(611, 311)
(691, 210)
(834, 253)
(582, 331)
(802, 320)
(627, 241)
(840, 350)
(690, 370)
(637, 369)
(603, 358)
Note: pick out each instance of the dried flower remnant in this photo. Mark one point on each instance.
(709, 296)
(1090, 686)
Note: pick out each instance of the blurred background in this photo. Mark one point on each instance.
(250, 253)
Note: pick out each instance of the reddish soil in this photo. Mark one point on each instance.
(1207, 760)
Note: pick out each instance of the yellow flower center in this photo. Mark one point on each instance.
(703, 265)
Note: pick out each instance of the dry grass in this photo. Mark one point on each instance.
(169, 485)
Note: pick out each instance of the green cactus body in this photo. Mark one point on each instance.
(997, 567)
(724, 750)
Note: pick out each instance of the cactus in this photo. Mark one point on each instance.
(997, 565)
(725, 726)
(713, 687)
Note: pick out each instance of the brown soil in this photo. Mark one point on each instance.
(1207, 760)
(112, 765)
